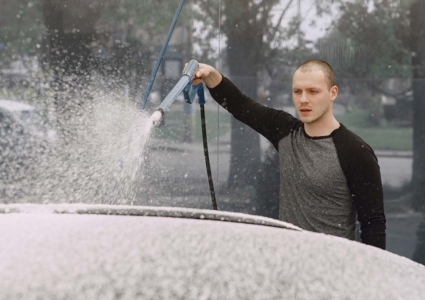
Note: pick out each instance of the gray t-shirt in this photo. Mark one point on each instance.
(311, 173)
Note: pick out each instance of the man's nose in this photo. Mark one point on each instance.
(303, 97)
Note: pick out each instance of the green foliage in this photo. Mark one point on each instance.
(389, 138)
(370, 40)
(22, 21)
(385, 137)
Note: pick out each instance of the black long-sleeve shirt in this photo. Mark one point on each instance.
(324, 180)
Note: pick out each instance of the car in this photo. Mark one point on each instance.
(25, 141)
(96, 251)
(26, 118)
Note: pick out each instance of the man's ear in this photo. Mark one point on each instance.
(334, 92)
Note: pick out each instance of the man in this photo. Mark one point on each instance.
(328, 174)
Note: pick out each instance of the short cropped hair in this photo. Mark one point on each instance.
(317, 64)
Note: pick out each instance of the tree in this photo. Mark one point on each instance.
(67, 56)
(114, 38)
(369, 43)
(375, 41)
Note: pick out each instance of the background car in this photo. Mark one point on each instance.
(24, 142)
(79, 251)
(26, 118)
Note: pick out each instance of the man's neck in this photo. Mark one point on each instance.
(321, 127)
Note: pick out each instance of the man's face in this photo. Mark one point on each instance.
(311, 95)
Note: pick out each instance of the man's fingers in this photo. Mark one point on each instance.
(197, 77)
(199, 74)
(196, 81)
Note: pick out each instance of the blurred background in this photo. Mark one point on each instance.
(73, 75)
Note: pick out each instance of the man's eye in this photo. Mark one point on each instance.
(296, 92)
(313, 92)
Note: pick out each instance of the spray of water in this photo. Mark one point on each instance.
(98, 156)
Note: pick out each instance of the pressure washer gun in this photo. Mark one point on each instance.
(189, 91)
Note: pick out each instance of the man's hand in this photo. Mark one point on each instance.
(208, 74)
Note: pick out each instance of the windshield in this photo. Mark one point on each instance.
(87, 66)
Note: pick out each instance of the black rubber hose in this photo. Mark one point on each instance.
(207, 157)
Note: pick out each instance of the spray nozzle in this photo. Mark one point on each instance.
(156, 116)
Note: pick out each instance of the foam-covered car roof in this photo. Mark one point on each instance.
(69, 254)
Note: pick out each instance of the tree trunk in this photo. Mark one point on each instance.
(417, 12)
(67, 55)
(70, 30)
(245, 142)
